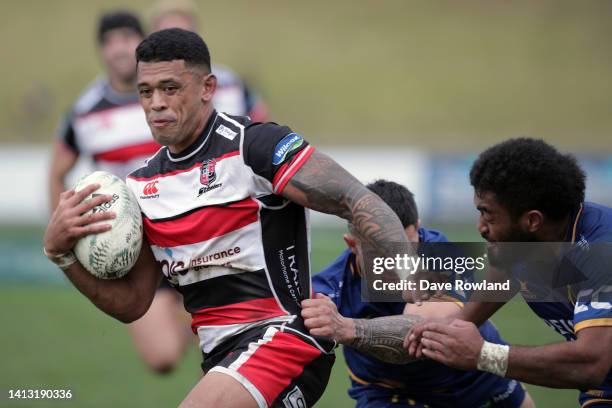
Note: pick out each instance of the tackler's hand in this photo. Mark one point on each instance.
(322, 318)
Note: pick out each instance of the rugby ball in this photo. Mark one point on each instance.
(111, 254)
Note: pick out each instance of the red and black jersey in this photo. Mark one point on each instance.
(224, 237)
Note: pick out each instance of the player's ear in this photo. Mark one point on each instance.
(350, 242)
(412, 233)
(533, 221)
(209, 86)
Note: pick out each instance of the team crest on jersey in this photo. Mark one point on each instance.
(208, 175)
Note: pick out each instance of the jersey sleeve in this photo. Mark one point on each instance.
(329, 283)
(65, 132)
(275, 153)
(593, 305)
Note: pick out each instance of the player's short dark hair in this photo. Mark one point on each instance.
(174, 44)
(398, 198)
(118, 19)
(529, 174)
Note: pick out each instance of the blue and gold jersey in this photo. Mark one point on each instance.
(587, 303)
(418, 384)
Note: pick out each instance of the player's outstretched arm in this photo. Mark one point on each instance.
(62, 160)
(323, 185)
(581, 364)
(125, 299)
(380, 338)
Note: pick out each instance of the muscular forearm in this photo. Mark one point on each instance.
(560, 365)
(63, 160)
(322, 185)
(56, 186)
(382, 337)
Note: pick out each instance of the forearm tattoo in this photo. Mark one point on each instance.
(383, 337)
(328, 188)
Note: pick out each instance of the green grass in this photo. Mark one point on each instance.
(53, 337)
(437, 73)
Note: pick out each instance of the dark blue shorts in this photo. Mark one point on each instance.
(504, 393)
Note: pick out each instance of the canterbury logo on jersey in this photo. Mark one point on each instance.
(150, 190)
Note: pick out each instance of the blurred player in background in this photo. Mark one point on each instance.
(526, 191)
(108, 124)
(233, 96)
(379, 384)
(229, 229)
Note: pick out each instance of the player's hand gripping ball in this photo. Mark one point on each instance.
(111, 254)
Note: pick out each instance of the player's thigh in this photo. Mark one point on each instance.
(162, 332)
(278, 368)
(219, 390)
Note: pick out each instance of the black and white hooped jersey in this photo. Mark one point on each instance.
(220, 230)
(110, 127)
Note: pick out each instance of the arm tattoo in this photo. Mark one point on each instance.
(383, 337)
(329, 188)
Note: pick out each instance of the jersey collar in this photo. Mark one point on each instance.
(573, 227)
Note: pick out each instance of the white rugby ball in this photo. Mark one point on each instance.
(111, 254)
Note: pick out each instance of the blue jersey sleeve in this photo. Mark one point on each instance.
(593, 305)
(331, 279)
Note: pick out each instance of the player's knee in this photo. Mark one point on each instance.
(163, 362)
(162, 367)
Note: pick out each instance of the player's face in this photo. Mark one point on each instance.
(495, 223)
(117, 52)
(176, 100)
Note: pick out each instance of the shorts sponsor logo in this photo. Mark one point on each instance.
(288, 144)
(150, 190)
(226, 132)
(208, 175)
(295, 399)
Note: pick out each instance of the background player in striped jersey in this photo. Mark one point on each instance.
(106, 122)
(526, 191)
(226, 183)
(376, 383)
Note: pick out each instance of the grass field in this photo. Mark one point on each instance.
(52, 337)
